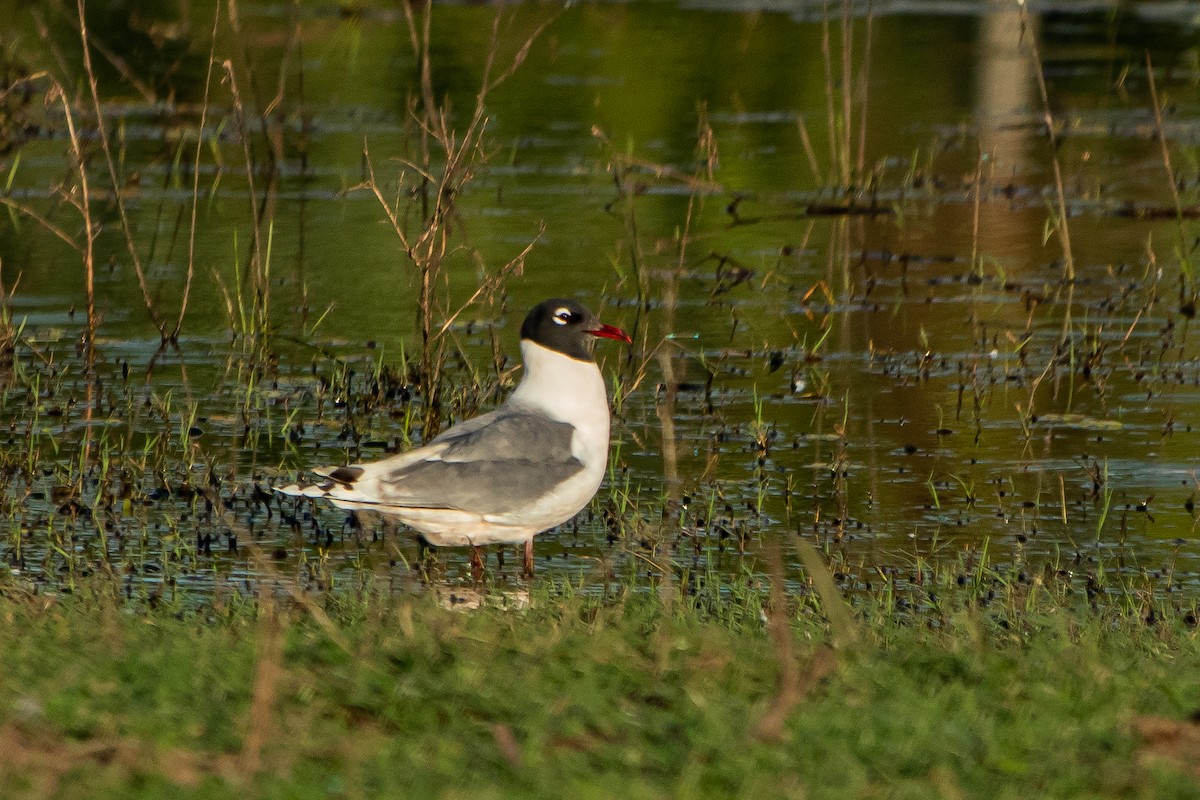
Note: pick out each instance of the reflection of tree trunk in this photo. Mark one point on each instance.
(1004, 98)
(1004, 89)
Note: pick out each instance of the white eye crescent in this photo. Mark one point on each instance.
(562, 316)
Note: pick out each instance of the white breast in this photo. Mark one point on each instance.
(571, 391)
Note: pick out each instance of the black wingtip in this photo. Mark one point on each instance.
(346, 475)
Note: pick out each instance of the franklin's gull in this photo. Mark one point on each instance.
(505, 476)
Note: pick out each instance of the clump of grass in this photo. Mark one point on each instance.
(382, 694)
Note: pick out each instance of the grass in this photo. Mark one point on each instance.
(581, 696)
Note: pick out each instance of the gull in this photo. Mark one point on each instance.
(505, 476)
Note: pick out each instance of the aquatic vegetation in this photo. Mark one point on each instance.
(877, 337)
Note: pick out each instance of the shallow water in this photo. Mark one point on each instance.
(915, 383)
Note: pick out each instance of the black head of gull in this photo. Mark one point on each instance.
(567, 327)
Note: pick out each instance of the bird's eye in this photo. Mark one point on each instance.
(562, 316)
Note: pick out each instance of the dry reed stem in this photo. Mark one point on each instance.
(827, 64)
(865, 81)
(255, 268)
(707, 145)
(372, 185)
(793, 683)
(84, 206)
(118, 63)
(42, 221)
(809, 152)
(263, 212)
(106, 149)
(274, 149)
(976, 259)
(191, 261)
(1166, 157)
(693, 182)
(492, 283)
(1064, 232)
(841, 620)
(1161, 135)
(847, 89)
(268, 672)
(637, 376)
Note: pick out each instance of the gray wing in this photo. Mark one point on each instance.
(492, 466)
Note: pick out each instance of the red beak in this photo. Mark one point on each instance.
(612, 332)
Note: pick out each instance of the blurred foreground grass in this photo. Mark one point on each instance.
(577, 696)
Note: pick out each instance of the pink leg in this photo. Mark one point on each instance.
(477, 568)
(528, 571)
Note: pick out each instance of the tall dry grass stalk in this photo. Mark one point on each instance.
(82, 202)
(191, 257)
(1185, 250)
(268, 674)
(114, 177)
(667, 351)
(794, 681)
(1062, 227)
(259, 265)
